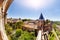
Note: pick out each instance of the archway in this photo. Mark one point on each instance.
(4, 5)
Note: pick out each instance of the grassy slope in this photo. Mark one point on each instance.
(55, 32)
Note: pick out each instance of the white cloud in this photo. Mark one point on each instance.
(35, 3)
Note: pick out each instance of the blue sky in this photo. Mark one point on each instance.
(32, 9)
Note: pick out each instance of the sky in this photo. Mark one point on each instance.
(31, 9)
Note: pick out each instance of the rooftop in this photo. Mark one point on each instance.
(41, 17)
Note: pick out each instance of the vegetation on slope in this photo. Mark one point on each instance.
(15, 32)
(57, 30)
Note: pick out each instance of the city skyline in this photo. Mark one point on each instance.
(32, 9)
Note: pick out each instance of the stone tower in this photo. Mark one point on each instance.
(41, 17)
(41, 21)
(40, 28)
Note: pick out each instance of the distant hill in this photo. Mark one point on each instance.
(57, 22)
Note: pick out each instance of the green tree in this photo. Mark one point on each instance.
(26, 36)
(8, 29)
(16, 35)
(19, 24)
(54, 26)
(18, 32)
(26, 20)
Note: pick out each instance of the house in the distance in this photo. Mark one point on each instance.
(13, 20)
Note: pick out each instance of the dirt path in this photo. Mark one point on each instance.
(39, 35)
(58, 26)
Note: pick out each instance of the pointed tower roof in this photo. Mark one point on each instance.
(41, 17)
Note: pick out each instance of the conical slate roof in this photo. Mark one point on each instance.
(41, 17)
